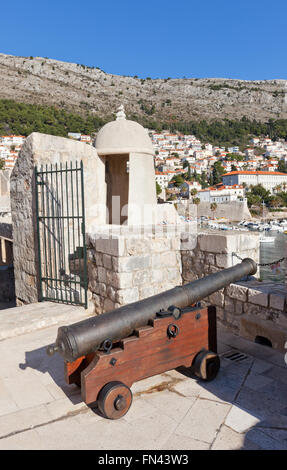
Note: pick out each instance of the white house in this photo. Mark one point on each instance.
(164, 177)
(268, 179)
(9, 140)
(221, 194)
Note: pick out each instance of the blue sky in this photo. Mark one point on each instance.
(158, 39)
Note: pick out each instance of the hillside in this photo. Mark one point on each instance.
(83, 90)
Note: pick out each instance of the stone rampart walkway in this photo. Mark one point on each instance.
(16, 321)
(245, 407)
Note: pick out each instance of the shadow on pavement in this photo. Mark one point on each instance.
(257, 389)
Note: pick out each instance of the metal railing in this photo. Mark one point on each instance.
(60, 214)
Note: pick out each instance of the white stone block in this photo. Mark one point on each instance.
(237, 292)
(127, 296)
(110, 246)
(157, 275)
(277, 301)
(119, 280)
(168, 259)
(258, 297)
(156, 261)
(224, 260)
(217, 298)
(138, 245)
(132, 263)
(146, 291)
(141, 277)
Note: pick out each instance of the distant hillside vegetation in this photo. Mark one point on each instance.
(22, 118)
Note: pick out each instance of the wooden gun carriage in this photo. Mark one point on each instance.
(106, 354)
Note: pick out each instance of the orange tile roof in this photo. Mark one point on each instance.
(221, 187)
(254, 173)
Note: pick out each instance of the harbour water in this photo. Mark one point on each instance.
(272, 252)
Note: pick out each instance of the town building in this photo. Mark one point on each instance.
(187, 187)
(163, 178)
(10, 146)
(268, 179)
(221, 193)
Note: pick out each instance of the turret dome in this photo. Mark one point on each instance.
(123, 136)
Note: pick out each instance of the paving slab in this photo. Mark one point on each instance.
(240, 420)
(228, 439)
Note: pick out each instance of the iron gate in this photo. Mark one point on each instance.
(60, 213)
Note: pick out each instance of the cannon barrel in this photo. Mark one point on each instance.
(88, 335)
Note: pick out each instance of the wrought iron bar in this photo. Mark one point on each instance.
(38, 232)
(84, 238)
(60, 211)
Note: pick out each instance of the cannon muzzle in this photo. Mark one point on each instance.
(90, 334)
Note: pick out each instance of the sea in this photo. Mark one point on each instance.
(271, 252)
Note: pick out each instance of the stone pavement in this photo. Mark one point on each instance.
(245, 407)
(20, 320)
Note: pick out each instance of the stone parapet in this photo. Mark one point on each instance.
(125, 267)
(213, 251)
(246, 308)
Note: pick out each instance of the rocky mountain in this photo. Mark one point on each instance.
(81, 89)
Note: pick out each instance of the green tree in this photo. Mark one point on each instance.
(158, 188)
(258, 193)
(283, 197)
(253, 200)
(234, 156)
(178, 180)
(282, 166)
(217, 172)
(189, 176)
(259, 151)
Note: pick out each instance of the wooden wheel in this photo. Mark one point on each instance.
(114, 400)
(206, 365)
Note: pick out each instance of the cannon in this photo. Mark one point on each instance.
(106, 354)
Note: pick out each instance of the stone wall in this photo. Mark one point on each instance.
(254, 309)
(5, 191)
(248, 308)
(129, 267)
(213, 252)
(234, 211)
